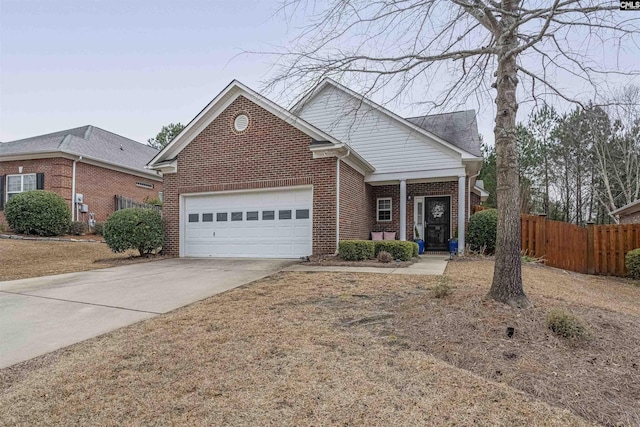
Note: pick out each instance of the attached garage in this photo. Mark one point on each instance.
(262, 224)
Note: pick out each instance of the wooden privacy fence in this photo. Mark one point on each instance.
(595, 249)
(122, 202)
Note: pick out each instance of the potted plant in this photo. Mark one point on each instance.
(453, 244)
(418, 240)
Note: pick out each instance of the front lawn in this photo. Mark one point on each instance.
(21, 259)
(351, 349)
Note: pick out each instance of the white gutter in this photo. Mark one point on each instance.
(73, 189)
(338, 199)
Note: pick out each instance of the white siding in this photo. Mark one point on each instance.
(379, 139)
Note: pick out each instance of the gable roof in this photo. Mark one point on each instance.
(466, 155)
(459, 128)
(233, 90)
(91, 142)
(627, 209)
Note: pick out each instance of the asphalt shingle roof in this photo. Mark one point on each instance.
(89, 141)
(459, 128)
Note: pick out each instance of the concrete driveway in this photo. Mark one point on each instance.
(43, 314)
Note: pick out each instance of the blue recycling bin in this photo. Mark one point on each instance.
(453, 246)
(420, 243)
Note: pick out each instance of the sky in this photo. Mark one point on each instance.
(131, 67)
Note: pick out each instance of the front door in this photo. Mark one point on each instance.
(437, 223)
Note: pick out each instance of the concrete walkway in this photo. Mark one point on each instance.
(429, 265)
(43, 314)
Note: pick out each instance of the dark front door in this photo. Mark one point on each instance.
(438, 223)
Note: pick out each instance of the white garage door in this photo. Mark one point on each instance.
(261, 224)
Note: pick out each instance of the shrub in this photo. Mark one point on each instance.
(398, 249)
(355, 250)
(632, 262)
(38, 212)
(442, 289)
(565, 324)
(483, 228)
(384, 257)
(98, 229)
(78, 228)
(134, 228)
(416, 250)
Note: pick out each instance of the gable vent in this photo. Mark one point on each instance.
(241, 123)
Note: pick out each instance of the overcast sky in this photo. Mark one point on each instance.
(131, 67)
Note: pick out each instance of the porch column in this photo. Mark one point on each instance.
(462, 197)
(403, 210)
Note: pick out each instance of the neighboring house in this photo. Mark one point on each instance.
(86, 161)
(247, 177)
(628, 214)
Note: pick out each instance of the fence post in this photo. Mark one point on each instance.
(591, 266)
(541, 237)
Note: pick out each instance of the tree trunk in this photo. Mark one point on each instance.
(507, 275)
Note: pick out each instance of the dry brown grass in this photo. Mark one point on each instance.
(21, 259)
(346, 349)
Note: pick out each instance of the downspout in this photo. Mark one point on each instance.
(73, 189)
(338, 199)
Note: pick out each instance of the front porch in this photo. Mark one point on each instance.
(431, 211)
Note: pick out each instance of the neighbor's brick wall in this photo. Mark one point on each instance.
(355, 215)
(447, 188)
(475, 201)
(99, 186)
(270, 153)
(57, 175)
(634, 218)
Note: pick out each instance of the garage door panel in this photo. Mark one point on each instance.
(253, 236)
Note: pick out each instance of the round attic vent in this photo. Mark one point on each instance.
(241, 123)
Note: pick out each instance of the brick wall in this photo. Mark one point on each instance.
(634, 218)
(269, 153)
(447, 188)
(98, 185)
(57, 175)
(355, 215)
(475, 200)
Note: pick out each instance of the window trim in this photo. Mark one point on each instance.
(378, 210)
(21, 175)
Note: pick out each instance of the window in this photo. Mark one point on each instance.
(160, 195)
(286, 214)
(20, 183)
(302, 213)
(193, 217)
(252, 216)
(207, 217)
(268, 215)
(222, 216)
(236, 216)
(383, 212)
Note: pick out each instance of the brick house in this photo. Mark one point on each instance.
(248, 178)
(86, 161)
(629, 213)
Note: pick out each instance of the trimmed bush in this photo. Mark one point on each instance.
(398, 249)
(134, 228)
(416, 250)
(565, 324)
(632, 262)
(98, 229)
(78, 228)
(355, 250)
(38, 212)
(482, 231)
(384, 257)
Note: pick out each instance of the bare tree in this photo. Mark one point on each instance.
(458, 49)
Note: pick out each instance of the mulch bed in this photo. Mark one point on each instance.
(336, 261)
